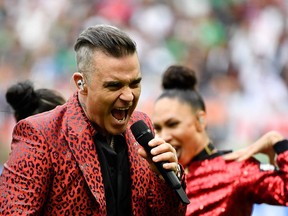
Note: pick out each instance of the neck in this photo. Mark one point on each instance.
(208, 150)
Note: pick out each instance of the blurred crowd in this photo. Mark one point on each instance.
(238, 48)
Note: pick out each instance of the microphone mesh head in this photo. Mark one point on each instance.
(138, 128)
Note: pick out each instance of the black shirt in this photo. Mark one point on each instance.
(116, 174)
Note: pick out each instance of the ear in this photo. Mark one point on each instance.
(79, 82)
(201, 121)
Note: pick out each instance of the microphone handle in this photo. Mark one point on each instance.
(169, 176)
(143, 135)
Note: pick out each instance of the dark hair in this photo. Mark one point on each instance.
(27, 101)
(105, 38)
(180, 82)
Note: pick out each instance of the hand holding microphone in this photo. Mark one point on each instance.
(165, 154)
(162, 153)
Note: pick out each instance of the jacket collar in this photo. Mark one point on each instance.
(209, 152)
(80, 134)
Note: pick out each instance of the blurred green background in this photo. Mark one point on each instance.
(238, 48)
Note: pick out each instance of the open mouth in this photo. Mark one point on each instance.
(120, 114)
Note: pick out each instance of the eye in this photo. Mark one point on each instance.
(173, 124)
(157, 128)
(113, 85)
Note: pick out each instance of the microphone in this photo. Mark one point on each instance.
(143, 135)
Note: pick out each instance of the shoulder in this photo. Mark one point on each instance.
(68, 110)
(46, 117)
(41, 124)
(137, 115)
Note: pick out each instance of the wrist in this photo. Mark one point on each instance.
(275, 137)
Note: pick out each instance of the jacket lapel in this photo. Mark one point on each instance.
(138, 167)
(80, 140)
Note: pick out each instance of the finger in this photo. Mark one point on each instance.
(156, 141)
(231, 156)
(237, 155)
(169, 157)
(272, 159)
(166, 158)
(171, 166)
(244, 157)
(162, 148)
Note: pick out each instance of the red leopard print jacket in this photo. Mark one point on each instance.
(53, 169)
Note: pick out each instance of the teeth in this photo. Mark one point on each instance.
(122, 109)
(119, 120)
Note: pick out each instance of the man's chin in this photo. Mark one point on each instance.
(118, 129)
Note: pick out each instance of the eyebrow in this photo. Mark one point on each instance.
(138, 80)
(112, 83)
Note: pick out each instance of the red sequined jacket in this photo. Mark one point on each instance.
(53, 169)
(229, 188)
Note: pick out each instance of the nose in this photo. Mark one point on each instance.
(127, 94)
